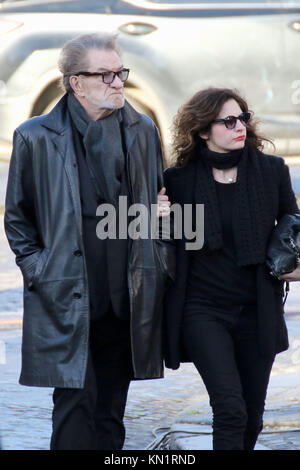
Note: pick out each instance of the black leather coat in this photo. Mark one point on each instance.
(43, 224)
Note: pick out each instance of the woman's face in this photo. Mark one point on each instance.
(220, 139)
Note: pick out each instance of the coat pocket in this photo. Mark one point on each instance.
(42, 259)
(27, 264)
(32, 266)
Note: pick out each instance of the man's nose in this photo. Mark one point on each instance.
(117, 82)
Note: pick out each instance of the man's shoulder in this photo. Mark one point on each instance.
(37, 125)
(146, 120)
(30, 125)
(29, 132)
(133, 116)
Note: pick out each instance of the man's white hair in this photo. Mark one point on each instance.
(73, 55)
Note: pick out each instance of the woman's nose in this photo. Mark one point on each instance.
(239, 125)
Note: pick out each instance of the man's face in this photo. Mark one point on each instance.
(94, 90)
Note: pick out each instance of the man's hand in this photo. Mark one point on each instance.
(163, 204)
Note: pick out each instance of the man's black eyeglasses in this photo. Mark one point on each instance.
(107, 77)
(230, 121)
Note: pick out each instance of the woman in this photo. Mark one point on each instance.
(225, 312)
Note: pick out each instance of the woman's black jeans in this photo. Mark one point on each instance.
(236, 376)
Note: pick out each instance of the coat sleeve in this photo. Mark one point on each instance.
(287, 199)
(159, 156)
(165, 240)
(19, 218)
(167, 184)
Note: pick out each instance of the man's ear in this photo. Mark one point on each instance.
(76, 85)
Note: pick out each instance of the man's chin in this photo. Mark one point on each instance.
(120, 103)
(109, 105)
(114, 104)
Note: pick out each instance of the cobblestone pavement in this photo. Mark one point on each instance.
(281, 440)
(153, 405)
(192, 429)
(25, 412)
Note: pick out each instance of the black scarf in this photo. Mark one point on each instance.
(252, 209)
(221, 161)
(102, 141)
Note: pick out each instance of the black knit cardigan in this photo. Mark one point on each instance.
(181, 187)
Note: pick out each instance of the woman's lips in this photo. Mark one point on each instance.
(241, 137)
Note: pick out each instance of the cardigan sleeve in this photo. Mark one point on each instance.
(167, 183)
(287, 199)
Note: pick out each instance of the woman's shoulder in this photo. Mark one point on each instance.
(171, 171)
(178, 171)
(178, 182)
(276, 162)
(271, 158)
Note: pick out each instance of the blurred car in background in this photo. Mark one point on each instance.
(173, 48)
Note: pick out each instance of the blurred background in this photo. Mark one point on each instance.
(173, 48)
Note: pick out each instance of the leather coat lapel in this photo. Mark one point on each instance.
(59, 125)
(58, 122)
(130, 118)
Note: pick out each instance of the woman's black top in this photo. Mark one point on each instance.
(215, 280)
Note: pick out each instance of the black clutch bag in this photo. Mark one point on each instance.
(283, 252)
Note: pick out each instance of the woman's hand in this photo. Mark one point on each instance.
(293, 276)
(163, 204)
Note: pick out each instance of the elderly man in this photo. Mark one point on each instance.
(92, 305)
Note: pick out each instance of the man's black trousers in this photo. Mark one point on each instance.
(236, 376)
(92, 418)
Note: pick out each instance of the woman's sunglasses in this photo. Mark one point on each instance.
(230, 121)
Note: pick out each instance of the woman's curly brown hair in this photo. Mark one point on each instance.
(196, 116)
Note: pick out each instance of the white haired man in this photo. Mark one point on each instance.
(92, 306)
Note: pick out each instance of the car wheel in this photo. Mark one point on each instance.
(47, 100)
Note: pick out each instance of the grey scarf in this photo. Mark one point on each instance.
(102, 142)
